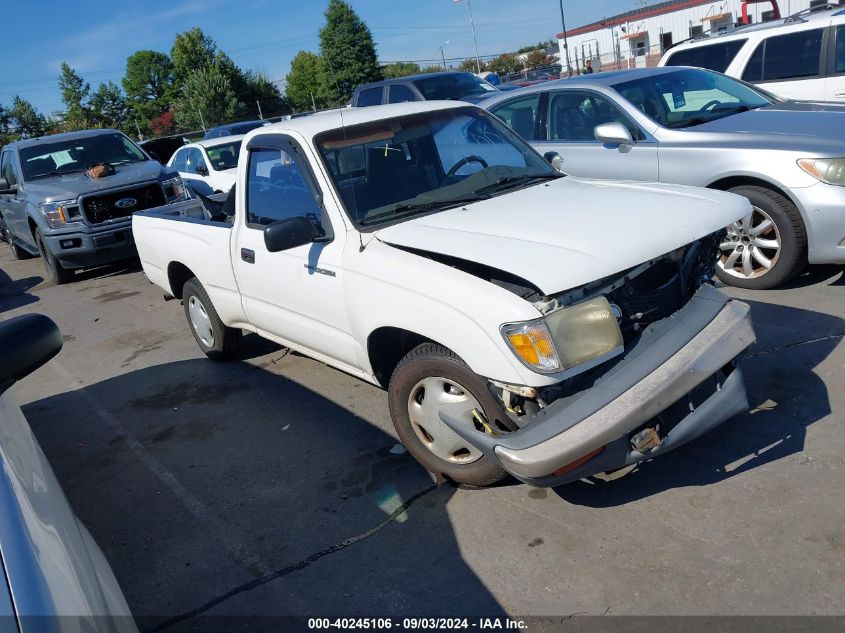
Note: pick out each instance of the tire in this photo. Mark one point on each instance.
(438, 367)
(17, 251)
(741, 251)
(216, 340)
(57, 273)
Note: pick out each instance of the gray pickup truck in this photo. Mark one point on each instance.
(52, 205)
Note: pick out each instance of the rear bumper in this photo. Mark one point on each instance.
(93, 246)
(681, 375)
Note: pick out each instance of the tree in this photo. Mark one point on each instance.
(435, 68)
(347, 49)
(191, 51)
(207, 99)
(108, 107)
(469, 66)
(400, 69)
(259, 89)
(75, 93)
(26, 121)
(504, 64)
(148, 83)
(163, 124)
(306, 83)
(6, 134)
(538, 59)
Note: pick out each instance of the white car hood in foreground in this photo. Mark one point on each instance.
(569, 232)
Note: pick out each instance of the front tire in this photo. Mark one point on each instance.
(431, 378)
(215, 339)
(57, 273)
(765, 248)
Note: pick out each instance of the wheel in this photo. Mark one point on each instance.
(766, 247)
(57, 273)
(430, 379)
(217, 341)
(17, 251)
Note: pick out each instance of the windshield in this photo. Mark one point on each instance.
(65, 157)
(224, 156)
(689, 97)
(389, 170)
(458, 86)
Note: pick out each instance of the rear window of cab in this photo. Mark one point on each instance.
(712, 56)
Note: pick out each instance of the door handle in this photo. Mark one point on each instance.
(248, 255)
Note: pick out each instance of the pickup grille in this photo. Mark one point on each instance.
(100, 208)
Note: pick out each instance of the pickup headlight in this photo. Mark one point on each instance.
(828, 170)
(174, 189)
(581, 335)
(61, 213)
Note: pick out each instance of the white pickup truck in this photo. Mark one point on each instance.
(522, 321)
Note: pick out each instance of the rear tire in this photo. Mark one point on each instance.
(215, 339)
(57, 273)
(766, 248)
(431, 371)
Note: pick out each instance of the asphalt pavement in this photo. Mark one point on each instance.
(274, 485)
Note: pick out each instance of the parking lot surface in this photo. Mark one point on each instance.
(274, 485)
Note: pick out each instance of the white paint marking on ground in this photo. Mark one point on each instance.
(219, 528)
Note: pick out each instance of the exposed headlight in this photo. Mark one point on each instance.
(60, 213)
(174, 189)
(580, 336)
(828, 170)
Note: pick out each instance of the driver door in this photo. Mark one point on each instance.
(294, 296)
(568, 128)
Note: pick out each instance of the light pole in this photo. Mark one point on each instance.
(442, 55)
(565, 42)
(474, 40)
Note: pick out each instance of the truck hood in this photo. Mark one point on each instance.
(566, 233)
(822, 121)
(74, 185)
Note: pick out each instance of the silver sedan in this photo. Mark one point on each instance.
(696, 127)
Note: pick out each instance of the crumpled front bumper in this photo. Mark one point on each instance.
(681, 374)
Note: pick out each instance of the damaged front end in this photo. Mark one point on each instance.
(665, 373)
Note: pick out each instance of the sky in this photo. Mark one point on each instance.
(96, 37)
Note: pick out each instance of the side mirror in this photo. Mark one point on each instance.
(554, 159)
(26, 343)
(289, 233)
(614, 134)
(6, 188)
(202, 170)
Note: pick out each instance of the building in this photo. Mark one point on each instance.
(638, 38)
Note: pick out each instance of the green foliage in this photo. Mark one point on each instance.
(538, 59)
(191, 51)
(258, 88)
(436, 68)
(469, 65)
(207, 98)
(539, 45)
(504, 64)
(25, 120)
(107, 107)
(148, 83)
(75, 92)
(348, 52)
(306, 83)
(400, 69)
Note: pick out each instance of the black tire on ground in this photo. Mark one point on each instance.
(432, 360)
(226, 341)
(57, 273)
(793, 250)
(17, 251)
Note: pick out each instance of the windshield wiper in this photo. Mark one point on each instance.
(507, 182)
(57, 173)
(404, 209)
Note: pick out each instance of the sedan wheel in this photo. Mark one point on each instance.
(751, 247)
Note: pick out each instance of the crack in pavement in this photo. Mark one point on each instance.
(307, 562)
(796, 344)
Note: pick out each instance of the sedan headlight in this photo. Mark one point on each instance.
(581, 335)
(61, 213)
(828, 170)
(174, 189)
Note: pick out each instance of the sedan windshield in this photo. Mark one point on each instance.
(69, 156)
(689, 97)
(224, 156)
(389, 170)
(457, 86)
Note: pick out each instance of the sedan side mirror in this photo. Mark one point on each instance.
(26, 343)
(202, 170)
(6, 188)
(289, 233)
(554, 159)
(615, 135)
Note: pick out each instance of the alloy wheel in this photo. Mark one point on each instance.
(751, 247)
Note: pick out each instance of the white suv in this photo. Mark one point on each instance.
(800, 57)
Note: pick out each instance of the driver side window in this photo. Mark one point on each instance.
(574, 115)
(276, 189)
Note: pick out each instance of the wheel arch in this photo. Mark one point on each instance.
(177, 275)
(729, 182)
(388, 345)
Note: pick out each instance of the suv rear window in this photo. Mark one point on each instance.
(713, 56)
(370, 97)
(790, 56)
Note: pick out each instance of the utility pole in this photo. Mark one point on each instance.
(442, 54)
(565, 42)
(202, 122)
(475, 41)
(138, 127)
(260, 115)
